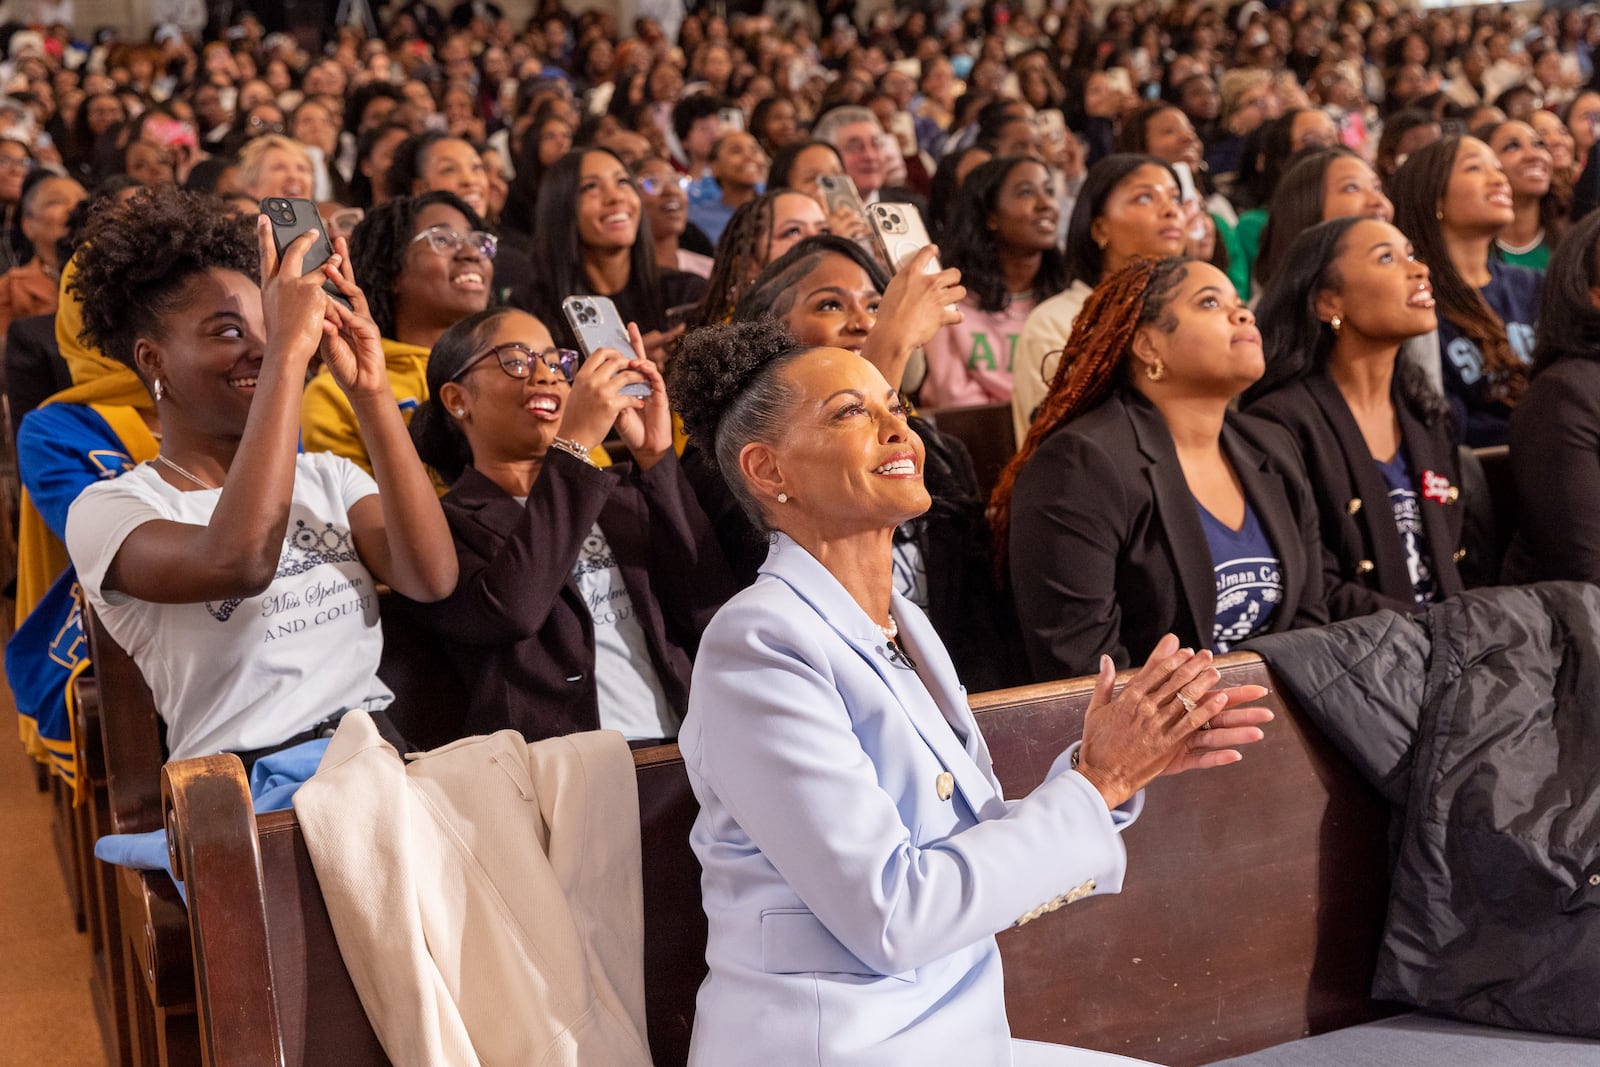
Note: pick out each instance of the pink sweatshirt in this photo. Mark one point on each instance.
(970, 362)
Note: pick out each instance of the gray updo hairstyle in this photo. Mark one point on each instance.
(726, 385)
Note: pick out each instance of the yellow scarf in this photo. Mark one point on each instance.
(117, 395)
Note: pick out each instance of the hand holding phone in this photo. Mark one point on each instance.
(596, 323)
(291, 217)
(902, 234)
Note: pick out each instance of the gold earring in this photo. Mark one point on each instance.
(1156, 371)
(1438, 213)
(1336, 322)
(1101, 244)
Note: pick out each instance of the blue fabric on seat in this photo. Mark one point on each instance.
(273, 782)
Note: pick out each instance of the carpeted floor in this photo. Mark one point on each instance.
(46, 1018)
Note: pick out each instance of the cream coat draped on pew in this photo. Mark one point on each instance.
(486, 896)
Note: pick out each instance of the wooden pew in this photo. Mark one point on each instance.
(986, 431)
(146, 917)
(1251, 915)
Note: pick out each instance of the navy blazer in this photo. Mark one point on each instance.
(1107, 552)
(516, 627)
(857, 854)
(1364, 563)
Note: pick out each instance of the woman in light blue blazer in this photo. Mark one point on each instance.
(857, 855)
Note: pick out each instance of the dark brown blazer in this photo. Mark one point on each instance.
(1107, 552)
(517, 629)
(1364, 563)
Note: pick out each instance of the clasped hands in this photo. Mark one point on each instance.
(1167, 719)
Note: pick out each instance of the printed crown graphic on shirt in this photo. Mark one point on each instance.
(305, 547)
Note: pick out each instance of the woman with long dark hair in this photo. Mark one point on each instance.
(1140, 503)
(760, 231)
(1452, 199)
(1277, 144)
(1328, 184)
(1376, 439)
(1129, 206)
(1538, 207)
(1003, 241)
(591, 238)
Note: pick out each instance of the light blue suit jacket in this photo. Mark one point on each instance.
(852, 909)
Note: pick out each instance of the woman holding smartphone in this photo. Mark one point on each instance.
(197, 562)
(591, 238)
(583, 591)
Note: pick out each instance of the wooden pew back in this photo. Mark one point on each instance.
(1251, 913)
(986, 431)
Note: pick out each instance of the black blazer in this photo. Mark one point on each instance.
(517, 629)
(1107, 552)
(1555, 462)
(1364, 564)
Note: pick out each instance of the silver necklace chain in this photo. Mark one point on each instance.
(164, 461)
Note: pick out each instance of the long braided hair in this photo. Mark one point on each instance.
(740, 255)
(1419, 188)
(1138, 295)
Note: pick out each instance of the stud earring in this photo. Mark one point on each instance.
(1101, 244)
(1156, 371)
(1438, 213)
(460, 412)
(783, 498)
(1337, 323)
(158, 390)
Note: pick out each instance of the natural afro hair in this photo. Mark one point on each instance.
(137, 257)
(725, 385)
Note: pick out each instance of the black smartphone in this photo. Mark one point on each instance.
(598, 325)
(291, 217)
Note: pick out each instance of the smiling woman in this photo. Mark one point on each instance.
(1003, 240)
(858, 855)
(583, 591)
(1140, 504)
(198, 561)
(427, 263)
(592, 239)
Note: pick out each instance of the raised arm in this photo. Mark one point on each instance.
(236, 553)
(401, 535)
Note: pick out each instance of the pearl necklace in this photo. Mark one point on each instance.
(164, 461)
(891, 631)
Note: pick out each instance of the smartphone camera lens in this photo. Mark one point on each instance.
(894, 220)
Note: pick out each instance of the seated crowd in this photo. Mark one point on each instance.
(1246, 293)
(1249, 287)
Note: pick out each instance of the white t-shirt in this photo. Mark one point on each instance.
(629, 690)
(244, 674)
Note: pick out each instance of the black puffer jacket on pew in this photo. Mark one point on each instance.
(1479, 722)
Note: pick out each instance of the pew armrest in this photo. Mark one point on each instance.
(211, 835)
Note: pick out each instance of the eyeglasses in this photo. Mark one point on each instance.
(22, 163)
(657, 186)
(447, 242)
(855, 146)
(517, 359)
(342, 223)
(261, 125)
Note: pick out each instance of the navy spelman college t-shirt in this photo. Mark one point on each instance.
(1513, 293)
(1249, 578)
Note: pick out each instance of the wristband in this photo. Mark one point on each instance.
(568, 445)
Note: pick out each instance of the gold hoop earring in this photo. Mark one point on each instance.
(1337, 323)
(1156, 371)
